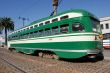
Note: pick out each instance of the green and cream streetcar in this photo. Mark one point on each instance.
(71, 34)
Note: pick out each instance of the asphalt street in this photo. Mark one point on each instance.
(107, 54)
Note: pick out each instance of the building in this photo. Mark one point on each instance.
(105, 26)
(2, 40)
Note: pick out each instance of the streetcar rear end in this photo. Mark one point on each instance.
(97, 52)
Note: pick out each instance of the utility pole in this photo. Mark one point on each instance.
(23, 19)
(55, 5)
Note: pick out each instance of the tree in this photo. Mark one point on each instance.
(1, 27)
(6, 24)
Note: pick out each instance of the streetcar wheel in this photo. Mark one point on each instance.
(93, 60)
(56, 57)
(100, 56)
(13, 50)
(40, 54)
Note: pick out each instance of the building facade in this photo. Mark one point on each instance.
(105, 26)
(2, 40)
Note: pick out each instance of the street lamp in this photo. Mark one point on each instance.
(23, 19)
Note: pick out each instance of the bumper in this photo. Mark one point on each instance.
(94, 51)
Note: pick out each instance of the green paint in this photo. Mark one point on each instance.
(59, 45)
(71, 54)
(27, 47)
(85, 20)
(60, 35)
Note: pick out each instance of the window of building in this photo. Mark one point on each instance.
(64, 28)
(77, 27)
(47, 22)
(64, 17)
(107, 26)
(102, 26)
(55, 30)
(54, 20)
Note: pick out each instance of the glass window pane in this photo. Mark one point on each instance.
(41, 24)
(36, 26)
(77, 27)
(54, 20)
(55, 30)
(107, 26)
(64, 17)
(64, 28)
(47, 32)
(47, 22)
(41, 33)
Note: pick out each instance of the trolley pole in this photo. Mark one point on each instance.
(55, 5)
(23, 19)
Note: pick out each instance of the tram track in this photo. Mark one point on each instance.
(33, 64)
(22, 71)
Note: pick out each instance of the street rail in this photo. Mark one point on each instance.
(13, 65)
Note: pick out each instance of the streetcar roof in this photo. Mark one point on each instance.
(83, 12)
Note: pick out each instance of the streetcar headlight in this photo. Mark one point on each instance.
(101, 36)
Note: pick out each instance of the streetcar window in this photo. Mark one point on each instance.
(47, 22)
(36, 34)
(64, 17)
(36, 26)
(41, 33)
(54, 20)
(41, 24)
(24, 36)
(77, 27)
(24, 29)
(31, 27)
(31, 34)
(47, 31)
(96, 24)
(8, 38)
(64, 28)
(27, 28)
(55, 30)
(20, 36)
(27, 35)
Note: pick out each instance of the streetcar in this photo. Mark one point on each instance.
(71, 34)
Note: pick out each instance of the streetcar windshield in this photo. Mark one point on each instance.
(96, 25)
